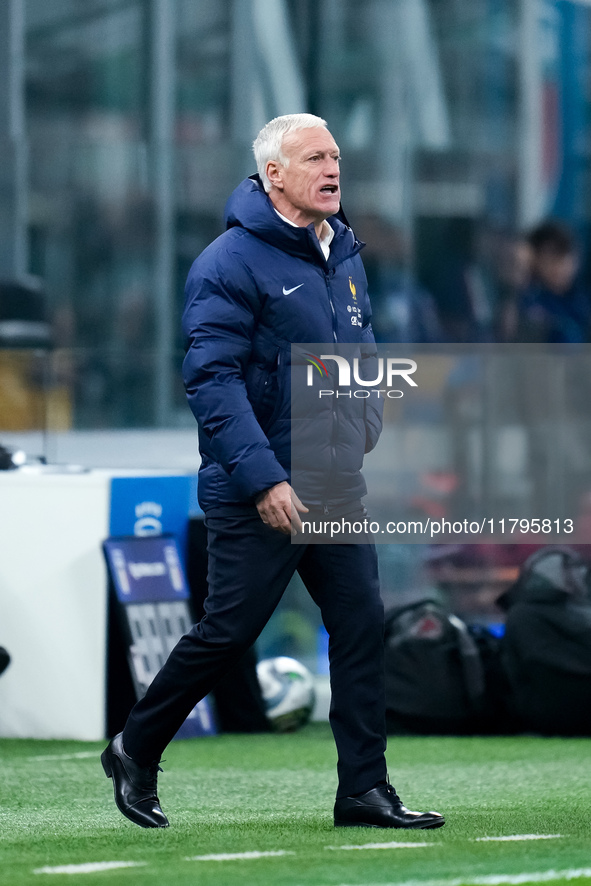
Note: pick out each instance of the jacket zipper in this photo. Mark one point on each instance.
(334, 429)
(332, 307)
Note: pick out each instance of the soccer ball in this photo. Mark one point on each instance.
(288, 692)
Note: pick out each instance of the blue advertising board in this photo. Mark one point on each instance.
(152, 505)
(146, 570)
(152, 598)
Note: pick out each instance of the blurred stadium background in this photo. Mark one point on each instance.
(124, 126)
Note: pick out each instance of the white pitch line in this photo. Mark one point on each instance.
(518, 837)
(238, 856)
(80, 755)
(405, 845)
(495, 879)
(90, 867)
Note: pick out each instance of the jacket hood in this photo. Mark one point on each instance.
(249, 207)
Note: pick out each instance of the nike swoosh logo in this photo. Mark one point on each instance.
(289, 291)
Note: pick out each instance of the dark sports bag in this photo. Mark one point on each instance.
(435, 679)
(546, 649)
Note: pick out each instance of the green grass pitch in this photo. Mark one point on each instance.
(274, 793)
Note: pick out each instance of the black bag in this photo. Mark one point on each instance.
(546, 649)
(435, 679)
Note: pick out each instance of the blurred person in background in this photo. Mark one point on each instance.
(403, 310)
(514, 270)
(555, 307)
(287, 269)
(456, 257)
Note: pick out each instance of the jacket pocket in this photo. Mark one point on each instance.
(278, 393)
(262, 387)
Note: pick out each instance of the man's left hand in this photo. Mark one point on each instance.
(278, 508)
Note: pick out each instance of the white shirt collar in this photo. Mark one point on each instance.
(326, 235)
(326, 239)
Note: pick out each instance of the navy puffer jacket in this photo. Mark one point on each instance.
(259, 287)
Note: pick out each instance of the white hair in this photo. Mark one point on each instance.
(268, 143)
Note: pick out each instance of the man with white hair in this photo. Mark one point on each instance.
(287, 270)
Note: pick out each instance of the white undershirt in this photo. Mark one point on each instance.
(327, 233)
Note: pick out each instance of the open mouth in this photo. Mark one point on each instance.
(329, 189)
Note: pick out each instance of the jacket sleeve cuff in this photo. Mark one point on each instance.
(258, 472)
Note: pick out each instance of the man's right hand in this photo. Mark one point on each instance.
(278, 508)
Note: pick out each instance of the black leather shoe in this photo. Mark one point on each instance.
(381, 808)
(134, 786)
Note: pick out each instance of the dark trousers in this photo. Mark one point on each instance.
(249, 567)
